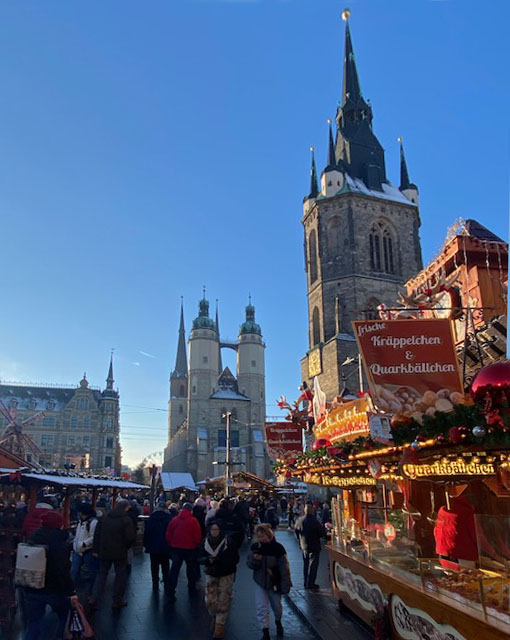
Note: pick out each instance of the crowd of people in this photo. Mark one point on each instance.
(205, 535)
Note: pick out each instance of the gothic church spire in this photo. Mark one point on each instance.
(181, 360)
(110, 379)
(314, 183)
(404, 175)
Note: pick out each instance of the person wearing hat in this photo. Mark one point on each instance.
(82, 544)
(58, 590)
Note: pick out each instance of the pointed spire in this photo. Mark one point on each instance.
(331, 148)
(110, 379)
(220, 365)
(314, 184)
(404, 175)
(351, 90)
(181, 360)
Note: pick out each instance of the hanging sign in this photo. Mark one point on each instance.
(411, 365)
(342, 482)
(348, 421)
(284, 440)
(448, 469)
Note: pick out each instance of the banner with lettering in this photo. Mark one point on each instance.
(347, 421)
(284, 440)
(411, 365)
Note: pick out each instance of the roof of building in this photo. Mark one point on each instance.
(36, 398)
(69, 481)
(171, 481)
(388, 192)
(474, 229)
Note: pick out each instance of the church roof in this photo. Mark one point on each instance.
(227, 387)
(388, 192)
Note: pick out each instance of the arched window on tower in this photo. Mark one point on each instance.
(312, 255)
(182, 391)
(381, 248)
(333, 237)
(316, 327)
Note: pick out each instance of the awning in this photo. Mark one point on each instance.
(24, 478)
(171, 481)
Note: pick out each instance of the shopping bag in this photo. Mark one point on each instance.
(77, 625)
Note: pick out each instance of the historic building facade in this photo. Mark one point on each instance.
(361, 237)
(70, 425)
(202, 392)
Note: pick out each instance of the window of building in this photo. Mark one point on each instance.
(108, 423)
(70, 440)
(234, 413)
(86, 422)
(32, 404)
(333, 237)
(205, 359)
(109, 443)
(82, 404)
(46, 440)
(50, 405)
(257, 435)
(193, 389)
(222, 438)
(316, 327)
(312, 256)
(182, 391)
(13, 403)
(108, 461)
(253, 363)
(181, 410)
(74, 422)
(381, 248)
(86, 441)
(48, 421)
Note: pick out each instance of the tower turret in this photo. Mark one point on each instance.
(203, 353)
(177, 405)
(408, 189)
(250, 357)
(332, 178)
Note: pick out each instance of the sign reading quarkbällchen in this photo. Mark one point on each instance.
(411, 365)
(284, 440)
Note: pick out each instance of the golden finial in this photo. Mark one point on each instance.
(312, 149)
(330, 121)
(400, 139)
(346, 14)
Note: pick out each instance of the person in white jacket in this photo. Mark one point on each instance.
(82, 545)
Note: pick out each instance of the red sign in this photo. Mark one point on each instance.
(284, 439)
(411, 364)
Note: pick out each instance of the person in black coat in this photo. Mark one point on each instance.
(58, 590)
(155, 544)
(309, 532)
(229, 522)
(219, 556)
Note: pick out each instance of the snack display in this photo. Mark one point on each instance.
(408, 402)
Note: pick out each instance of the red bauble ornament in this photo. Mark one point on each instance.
(492, 381)
(320, 443)
(455, 435)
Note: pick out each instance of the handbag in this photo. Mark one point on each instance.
(30, 568)
(77, 625)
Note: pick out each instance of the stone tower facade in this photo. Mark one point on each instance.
(202, 392)
(361, 237)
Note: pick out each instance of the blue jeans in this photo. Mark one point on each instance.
(36, 604)
(91, 564)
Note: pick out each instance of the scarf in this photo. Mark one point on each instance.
(214, 551)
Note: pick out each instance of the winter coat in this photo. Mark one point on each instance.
(58, 565)
(224, 563)
(154, 539)
(33, 519)
(271, 517)
(84, 537)
(309, 532)
(115, 534)
(231, 525)
(184, 531)
(242, 511)
(199, 513)
(272, 572)
(455, 531)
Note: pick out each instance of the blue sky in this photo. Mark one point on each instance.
(147, 149)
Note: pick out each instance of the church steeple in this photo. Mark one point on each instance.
(181, 360)
(407, 188)
(331, 148)
(356, 144)
(314, 184)
(110, 379)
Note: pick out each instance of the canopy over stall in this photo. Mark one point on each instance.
(172, 481)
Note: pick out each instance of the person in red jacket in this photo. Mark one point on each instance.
(33, 519)
(184, 537)
(455, 533)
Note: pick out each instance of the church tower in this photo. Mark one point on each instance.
(178, 403)
(361, 236)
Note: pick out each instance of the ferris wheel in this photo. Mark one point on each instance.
(14, 439)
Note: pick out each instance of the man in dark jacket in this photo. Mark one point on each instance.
(242, 511)
(115, 534)
(229, 522)
(309, 532)
(58, 586)
(271, 517)
(155, 543)
(184, 537)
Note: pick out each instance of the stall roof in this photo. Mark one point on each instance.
(171, 480)
(237, 476)
(72, 481)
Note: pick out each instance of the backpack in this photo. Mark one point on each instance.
(30, 566)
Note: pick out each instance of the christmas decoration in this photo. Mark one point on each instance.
(321, 443)
(492, 382)
(479, 432)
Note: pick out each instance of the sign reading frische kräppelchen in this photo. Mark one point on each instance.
(411, 364)
(284, 439)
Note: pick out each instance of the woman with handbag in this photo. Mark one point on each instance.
(219, 556)
(271, 573)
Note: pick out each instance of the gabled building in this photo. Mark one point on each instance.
(202, 391)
